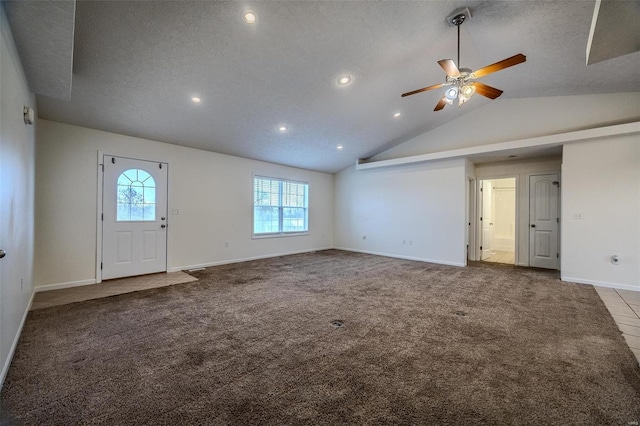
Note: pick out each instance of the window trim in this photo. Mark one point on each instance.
(264, 235)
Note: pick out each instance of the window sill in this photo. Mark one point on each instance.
(278, 235)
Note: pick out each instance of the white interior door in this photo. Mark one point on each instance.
(134, 212)
(485, 219)
(544, 221)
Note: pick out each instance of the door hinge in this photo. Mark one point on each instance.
(102, 216)
(557, 220)
(102, 167)
(113, 160)
(480, 189)
(557, 255)
(101, 266)
(480, 247)
(480, 218)
(160, 165)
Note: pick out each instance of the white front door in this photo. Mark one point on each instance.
(134, 212)
(485, 219)
(543, 221)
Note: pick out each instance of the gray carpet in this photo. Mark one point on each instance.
(254, 343)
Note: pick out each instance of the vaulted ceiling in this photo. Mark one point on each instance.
(136, 65)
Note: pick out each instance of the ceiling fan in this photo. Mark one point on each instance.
(462, 80)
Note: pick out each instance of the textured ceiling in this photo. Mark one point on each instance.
(615, 30)
(43, 33)
(136, 65)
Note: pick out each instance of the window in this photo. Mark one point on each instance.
(136, 196)
(279, 206)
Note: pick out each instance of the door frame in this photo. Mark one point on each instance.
(470, 223)
(99, 210)
(517, 219)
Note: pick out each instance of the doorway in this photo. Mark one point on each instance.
(498, 230)
(134, 217)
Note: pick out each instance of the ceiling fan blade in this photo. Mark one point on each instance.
(441, 103)
(424, 89)
(485, 90)
(505, 63)
(449, 67)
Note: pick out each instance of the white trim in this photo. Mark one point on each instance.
(592, 30)
(100, 174)
(279, 234)
(243, 259)
(262, 235)
(58, 286)
(542, 141)
(418, 259)
(601, 283)
(472, 210)
(516, 249)
(7, 364)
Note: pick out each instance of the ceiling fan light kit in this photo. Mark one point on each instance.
(461, 81)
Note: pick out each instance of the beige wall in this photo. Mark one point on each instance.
(16, 197)
(601, 184)
(414, 211)
(213, 193)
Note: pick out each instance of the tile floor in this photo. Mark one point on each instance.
(63, 296)
(624, 306)
(500, 256)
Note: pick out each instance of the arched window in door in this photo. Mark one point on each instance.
(136, 196)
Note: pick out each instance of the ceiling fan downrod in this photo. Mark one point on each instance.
(457, 21)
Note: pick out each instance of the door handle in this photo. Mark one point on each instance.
(163, 226)
(2, 253)
(533, 225)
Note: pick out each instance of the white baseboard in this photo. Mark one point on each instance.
(242, 259)
(58, 286)
(601, 283)
(397, 256)
(7, 364)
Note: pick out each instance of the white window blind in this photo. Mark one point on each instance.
(279, 206)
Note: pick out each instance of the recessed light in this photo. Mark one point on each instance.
(283, 129)
(397, 114)
(345, 79)
(339, 147)
(196, 100)
(250, 17)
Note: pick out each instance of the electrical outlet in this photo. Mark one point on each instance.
(577, 216)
